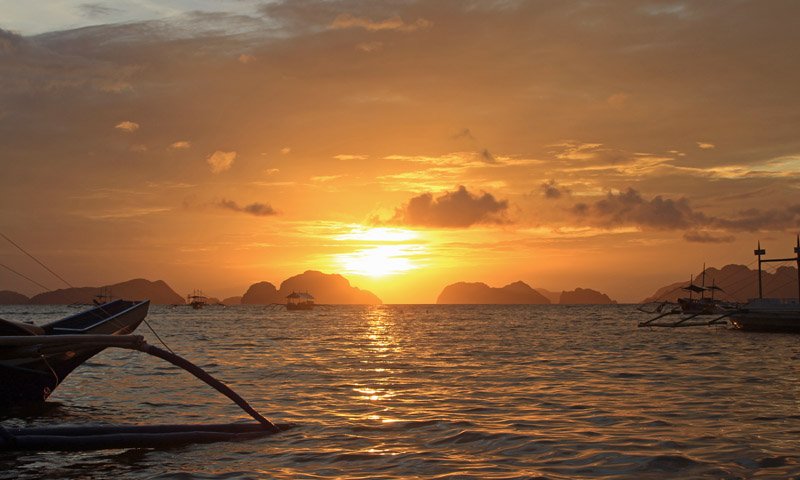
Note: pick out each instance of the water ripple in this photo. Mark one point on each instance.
(440, 392)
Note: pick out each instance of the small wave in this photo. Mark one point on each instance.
(472, 436)
(670, 463)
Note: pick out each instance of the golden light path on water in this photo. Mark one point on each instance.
(437, 391)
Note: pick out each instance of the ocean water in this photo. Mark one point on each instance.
(432, 391)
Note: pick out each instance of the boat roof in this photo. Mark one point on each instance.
(305, 295)
(694, 288)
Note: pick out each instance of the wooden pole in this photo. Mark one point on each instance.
(797, 251)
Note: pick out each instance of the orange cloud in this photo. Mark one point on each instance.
(180, 145)
(220, 161)
(127, 126)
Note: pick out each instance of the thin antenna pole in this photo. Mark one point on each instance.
(759, 252)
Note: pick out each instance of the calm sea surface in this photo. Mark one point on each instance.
(440, 392)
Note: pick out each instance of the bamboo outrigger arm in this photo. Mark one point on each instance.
(100, 437)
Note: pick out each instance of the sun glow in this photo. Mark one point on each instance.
(380, 251)
(379, 261)
(379, 234)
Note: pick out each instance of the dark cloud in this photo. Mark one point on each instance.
(630, 208)
(754, 219)
(257, 209)
(464, 133)
(705, 237)
(458, 209)
(551, 189)
(487, 157)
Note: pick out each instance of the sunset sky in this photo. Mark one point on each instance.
(614, 145)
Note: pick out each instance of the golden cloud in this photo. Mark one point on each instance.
(127, 126)
(220, 161)
(347, 20)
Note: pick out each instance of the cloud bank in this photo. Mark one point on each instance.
(458, 209)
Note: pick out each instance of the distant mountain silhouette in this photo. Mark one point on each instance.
(157, 292)
(480, 293)
(7, 297)
(261, 293)
(739, 283)
(326, 288)
(232, 301)
(554, 297)
(584, 296)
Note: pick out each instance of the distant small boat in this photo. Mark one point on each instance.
(196, 299)
(299, 301)
(26, 378)
(703, 305)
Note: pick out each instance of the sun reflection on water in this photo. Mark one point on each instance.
(379, 347)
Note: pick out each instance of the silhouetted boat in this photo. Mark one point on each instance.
(196, 299)
(759, 314)
(703, 305)
(770, 314)
(299, 301)
(29, 373)
(34, 360)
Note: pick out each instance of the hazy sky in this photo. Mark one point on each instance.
(614, 145)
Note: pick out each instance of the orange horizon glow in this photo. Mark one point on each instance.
(452, 143)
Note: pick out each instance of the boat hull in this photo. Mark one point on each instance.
(768, 315)
(28, 379)
(755, 321)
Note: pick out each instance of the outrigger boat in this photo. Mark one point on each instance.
(759, 314)
(770, 314)
(34, 360)
(703, 305)
(29, 379)
(196, 299)
(299, 301)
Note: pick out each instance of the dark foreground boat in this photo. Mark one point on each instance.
(34, 360)
(768, 315)
(758, 315)
(26, 379)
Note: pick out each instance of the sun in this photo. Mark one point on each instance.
(380, 252)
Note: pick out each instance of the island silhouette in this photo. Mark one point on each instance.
(517, 293)
(738, 283)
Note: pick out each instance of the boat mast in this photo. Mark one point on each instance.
(759, 251)
(703, 281)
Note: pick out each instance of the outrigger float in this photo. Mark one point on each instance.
(759, 314)
(34, 360)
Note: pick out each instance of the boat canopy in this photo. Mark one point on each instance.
(694, 288)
